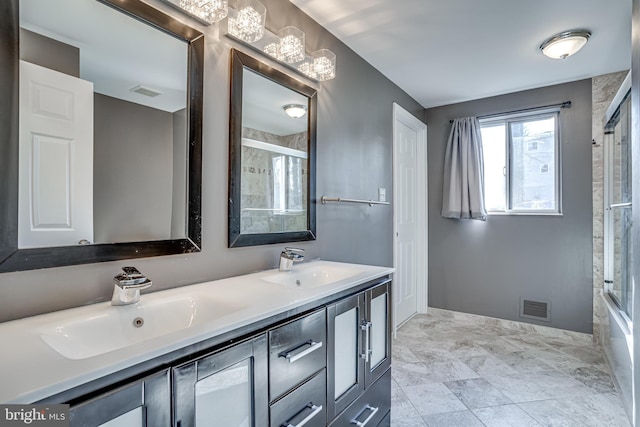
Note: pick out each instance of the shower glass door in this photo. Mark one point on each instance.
(618, 249)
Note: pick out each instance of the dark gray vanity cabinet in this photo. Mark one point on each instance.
(297, 374)
(227, 388)
(325, 366)
(359, 357)
(145, 402)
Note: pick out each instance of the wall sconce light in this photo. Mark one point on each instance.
(291, 46)
(324, 64)
(565, 44)
(248, 23)
(205, 11)
(295, 111)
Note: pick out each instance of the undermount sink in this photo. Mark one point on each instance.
(108, 328)
(311, 276)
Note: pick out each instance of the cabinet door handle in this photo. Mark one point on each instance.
(315, 410)
(371, 415)
(313, 346)
(366, 327)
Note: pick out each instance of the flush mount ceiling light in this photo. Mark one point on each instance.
(295, 111)
(565, 44)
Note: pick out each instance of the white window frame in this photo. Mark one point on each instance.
(507, 119)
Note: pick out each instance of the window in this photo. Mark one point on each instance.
(521, 163)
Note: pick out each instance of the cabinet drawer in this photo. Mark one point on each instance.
(370, 408)
(297, 350)
(305, 405)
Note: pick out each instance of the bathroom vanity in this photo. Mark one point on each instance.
(307, 347)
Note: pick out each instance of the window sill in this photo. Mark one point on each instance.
(498, 213)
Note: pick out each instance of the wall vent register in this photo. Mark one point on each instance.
(539, 310)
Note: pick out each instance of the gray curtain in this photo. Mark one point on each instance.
(463, 187)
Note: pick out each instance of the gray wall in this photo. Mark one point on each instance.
(132, 171)
(178, 211)
(486, 267)
(354, 159)
(50, 53)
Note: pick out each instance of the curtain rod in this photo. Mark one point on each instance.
(566, 104)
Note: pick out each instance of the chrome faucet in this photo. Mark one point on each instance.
(288, 257)
(127, 286)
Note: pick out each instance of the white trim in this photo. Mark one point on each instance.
(261, 145)
(402, 115)
(625, 87)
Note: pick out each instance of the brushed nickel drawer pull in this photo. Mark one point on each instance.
(365, 422)
(313, 346)
(315, 411)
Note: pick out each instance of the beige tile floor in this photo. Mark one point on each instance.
(461, 372)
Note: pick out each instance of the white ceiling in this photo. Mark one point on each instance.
(117, 52)
(446, 51)
(262, 102)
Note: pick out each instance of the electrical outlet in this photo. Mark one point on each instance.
(382, 194)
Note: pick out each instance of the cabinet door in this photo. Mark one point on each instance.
(143, 403)
(226, 389)
(378, 337)
(345, 366)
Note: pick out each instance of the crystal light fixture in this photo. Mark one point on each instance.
(209, 11)
(565, 44)
(306, 68)
(248, 22)
(272, 50)
(324, 64)
(291, 46)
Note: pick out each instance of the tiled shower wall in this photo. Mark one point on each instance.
(603, 89)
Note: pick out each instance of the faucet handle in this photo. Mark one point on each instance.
(131, 278)
(132, 272)
(291, 250)
(292, 254)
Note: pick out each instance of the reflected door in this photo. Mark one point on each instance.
(56, 159)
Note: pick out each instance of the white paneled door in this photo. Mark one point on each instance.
(56, 158)
(410, 214)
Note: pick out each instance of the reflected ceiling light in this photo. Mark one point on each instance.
(565, 44)
(295, 111)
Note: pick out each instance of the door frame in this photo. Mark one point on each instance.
(400, 115)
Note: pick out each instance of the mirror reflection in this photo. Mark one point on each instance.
(272, 137)
(274, 157)
(103, 127)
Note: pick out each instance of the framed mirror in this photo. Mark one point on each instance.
(100, 144)
(272, 149)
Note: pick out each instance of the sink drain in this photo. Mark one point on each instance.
(298, 283)
(138, 322)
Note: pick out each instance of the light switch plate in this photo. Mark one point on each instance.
(382, 194)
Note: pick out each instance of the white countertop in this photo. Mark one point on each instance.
(30, 370)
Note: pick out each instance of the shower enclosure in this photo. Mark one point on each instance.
(618, 257)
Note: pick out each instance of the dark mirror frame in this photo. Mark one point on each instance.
(14, 259)
(240, 62)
